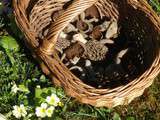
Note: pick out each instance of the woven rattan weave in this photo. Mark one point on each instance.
(139, 24)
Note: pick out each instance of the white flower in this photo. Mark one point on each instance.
(49, 111)
(19, 111)
(14, 88)
(41, 111)
(38, 86)
(53, 100)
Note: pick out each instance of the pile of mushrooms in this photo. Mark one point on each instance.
(85, 41)
(91, 45)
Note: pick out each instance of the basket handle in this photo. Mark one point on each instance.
(77, 7)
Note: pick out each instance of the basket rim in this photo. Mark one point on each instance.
(148, 76)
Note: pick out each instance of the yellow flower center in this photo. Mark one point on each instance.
(19, 110)
(49, 111)
(52, 101)
(43, 110)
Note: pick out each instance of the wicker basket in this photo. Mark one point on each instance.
(139, 22)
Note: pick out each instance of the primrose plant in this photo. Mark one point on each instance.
(47, 101)
(35, 97)
(47, 108)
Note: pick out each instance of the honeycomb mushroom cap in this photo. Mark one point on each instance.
(95, 50)
(62, 43)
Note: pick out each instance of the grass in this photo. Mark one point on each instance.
(18, 66)
(156, 5)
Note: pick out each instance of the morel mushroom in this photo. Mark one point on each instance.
(91, 50)
(95, 50)
(62, 42)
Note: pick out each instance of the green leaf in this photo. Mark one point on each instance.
(106, 110)
(43, 78)
(25, 102)
(23, 88)
(38, 97)
(38, 92)
(116, 116)
(130, 118)
(9, 43)
(41, 94)
(10, 56)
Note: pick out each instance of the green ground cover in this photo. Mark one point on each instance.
(24, 88)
